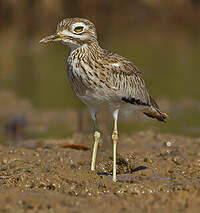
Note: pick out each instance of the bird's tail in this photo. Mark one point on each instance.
(154, 111)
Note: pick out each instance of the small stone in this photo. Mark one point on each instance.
(168, 143)
(5, 161)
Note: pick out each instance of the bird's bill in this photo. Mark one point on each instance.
(54, 37)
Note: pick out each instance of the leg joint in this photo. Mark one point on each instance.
(96, 135)
(115, 135)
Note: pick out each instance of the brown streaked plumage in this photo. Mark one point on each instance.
(102, 79)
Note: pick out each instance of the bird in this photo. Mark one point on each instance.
(102, 79)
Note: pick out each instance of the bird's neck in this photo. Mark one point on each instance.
(87, 48)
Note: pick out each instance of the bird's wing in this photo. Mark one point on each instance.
(129, 85)
(127, 79)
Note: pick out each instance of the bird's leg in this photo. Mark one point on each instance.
(115, 140)
(96, 140)
(95, 147)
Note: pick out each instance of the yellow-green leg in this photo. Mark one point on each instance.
(95, 148)
(96, 139)
(115, 140)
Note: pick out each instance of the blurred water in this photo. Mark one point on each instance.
(38, 73)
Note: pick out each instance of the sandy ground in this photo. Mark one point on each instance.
(156, 173)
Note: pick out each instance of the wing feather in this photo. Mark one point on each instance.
(131, 87)
(127, 78)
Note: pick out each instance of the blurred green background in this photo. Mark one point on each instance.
(162, 37)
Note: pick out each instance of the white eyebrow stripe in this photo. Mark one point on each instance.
(78, 24)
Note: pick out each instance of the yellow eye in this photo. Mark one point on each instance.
(78, 29)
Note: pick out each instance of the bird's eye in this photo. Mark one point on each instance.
(78, 29)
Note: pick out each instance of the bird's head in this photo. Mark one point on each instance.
(74, 32)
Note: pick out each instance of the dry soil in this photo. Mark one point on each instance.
(156, 173)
